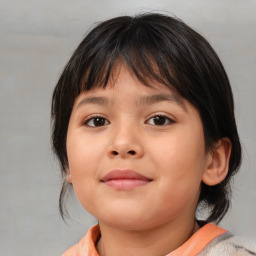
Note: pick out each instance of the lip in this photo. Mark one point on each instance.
(125, 179)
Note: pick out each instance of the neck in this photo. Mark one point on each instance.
(156, 241)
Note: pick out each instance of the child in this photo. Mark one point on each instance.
(144, 129)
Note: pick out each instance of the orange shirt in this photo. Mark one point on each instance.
(193, 246)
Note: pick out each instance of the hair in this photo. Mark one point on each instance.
(155, 47)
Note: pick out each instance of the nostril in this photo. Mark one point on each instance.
(132, 152)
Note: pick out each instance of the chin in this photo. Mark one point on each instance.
(125, 221)
(133, 223)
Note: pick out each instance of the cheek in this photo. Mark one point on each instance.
(82, 151)
(84, 155)
(180, 180)
(181, 162)
(181, 151)
(82, 161)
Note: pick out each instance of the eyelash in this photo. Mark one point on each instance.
(160, 117)
(166, 119)
(93, 118)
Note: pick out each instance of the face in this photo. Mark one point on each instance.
(136, 154)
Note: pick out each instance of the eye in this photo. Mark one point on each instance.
(96, 121)
(160, 120)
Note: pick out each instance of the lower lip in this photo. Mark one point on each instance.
(126, 184)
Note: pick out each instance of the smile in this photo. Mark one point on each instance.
(125, 179)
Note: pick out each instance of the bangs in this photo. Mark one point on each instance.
(140, 48)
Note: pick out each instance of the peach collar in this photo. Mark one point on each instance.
(193, 246)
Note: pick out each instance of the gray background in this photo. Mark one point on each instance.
(36, 40)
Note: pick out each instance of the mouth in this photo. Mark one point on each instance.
(125, 179)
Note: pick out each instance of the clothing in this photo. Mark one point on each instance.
(209, 240)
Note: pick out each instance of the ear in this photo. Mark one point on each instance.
(217, 162)
(68, 176)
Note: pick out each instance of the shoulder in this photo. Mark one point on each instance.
(229, 245)
(72, 251)
(211, 240)
(87, 245)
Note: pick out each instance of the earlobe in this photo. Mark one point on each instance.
(68, 176)
(218, 162)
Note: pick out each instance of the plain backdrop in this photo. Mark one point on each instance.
(36, 40)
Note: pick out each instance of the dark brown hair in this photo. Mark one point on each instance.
(158, 48)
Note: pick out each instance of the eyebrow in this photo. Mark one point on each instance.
(94, 100)
(144, 100)
(156, 98)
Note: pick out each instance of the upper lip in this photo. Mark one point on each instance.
(124, 174)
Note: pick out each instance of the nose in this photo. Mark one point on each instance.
(126, 143)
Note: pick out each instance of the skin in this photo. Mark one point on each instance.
(158, 217)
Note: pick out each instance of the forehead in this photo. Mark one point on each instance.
(123, 75)
(125, 85)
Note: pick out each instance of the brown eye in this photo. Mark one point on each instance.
(160, 120)
(97, 122)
